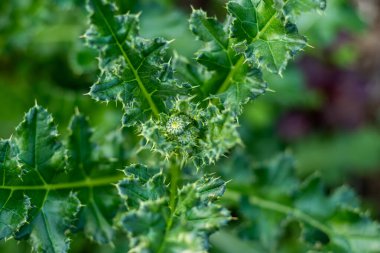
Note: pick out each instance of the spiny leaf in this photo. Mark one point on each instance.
(256, 36)
(141, 184)
(243, 91)
(132, 68)
(237, 84)
(263, 35)
(154, 227)
(14, 206)
(37, 199)
(53, 222)
(40, 153)
(210, 188)
(209, 30)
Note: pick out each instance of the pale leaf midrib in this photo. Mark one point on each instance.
(146, 94)
(89, 182)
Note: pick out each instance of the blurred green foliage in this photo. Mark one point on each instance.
(43, 58)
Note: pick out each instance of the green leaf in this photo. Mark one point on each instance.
(41, 199)
(133, 70)
(101, 203)
(80, 148)
(250, 86)
(209, 30)
(141, 184)
(39, 153)
(14, 206)
(256, 36)
(39, 150)
(52, 222)
(235, 85)
(155, 227)
(263, 35)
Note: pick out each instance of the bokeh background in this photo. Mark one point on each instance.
(325, 109)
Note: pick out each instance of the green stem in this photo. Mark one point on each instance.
(274, 206)
(175, 173)
(235, 195)
(227, 82)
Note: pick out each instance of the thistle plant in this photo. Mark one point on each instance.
(185, 113)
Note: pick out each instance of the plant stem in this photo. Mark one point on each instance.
(227, 82)
(175, 173)
(274, 206)
(175, 170)
(234, 195)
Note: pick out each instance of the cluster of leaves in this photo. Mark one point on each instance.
(256, 36)
(157, 223)
(40, 171)
(185, 111)
(289, 215)
(51, 189)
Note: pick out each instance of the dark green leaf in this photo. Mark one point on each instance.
(37, 198)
